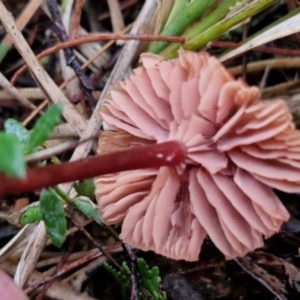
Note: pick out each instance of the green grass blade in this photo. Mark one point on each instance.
(215, 16)
(191, 12)
(285, 26)
(178, 7)
(223, 26)
(220, 28)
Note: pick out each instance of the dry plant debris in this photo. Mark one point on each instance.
(238, 149)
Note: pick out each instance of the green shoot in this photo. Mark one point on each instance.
(148, 280)
(189, 14)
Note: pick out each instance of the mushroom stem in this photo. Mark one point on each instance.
(152, 156)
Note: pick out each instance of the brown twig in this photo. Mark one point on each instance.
(59, 266)
(100, 37)
(270, 282)
(56, 150)
(70, 267)
(95, 243)
(76, 19)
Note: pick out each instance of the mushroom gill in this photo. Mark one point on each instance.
(238, 149)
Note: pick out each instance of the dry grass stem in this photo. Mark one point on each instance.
(28, 93)
(116, 15)
(17, 243)
(277, 63)
(278, 89)
(89, 50)
(47, 153)
(64, 130)
(13, 92)
(280, 30)
(31, 255)
(34, 113)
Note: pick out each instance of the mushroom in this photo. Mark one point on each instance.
(237, 150)
(200, 156)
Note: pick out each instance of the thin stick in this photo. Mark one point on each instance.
(101, 37)
(76, 19)
(70, 267)
(116, 15)
(123, 5)
(58, 267)
(5, 84)
(96, 244)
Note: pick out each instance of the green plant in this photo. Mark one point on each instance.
(15, 143)
(211, 20)
(148, 280)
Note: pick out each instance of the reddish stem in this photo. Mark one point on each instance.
(76, 19)
(153, 156)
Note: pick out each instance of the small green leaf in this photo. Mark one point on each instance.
(17, 129)
(27, 215)
(31, 215)
(88, 208)
(44, 126)
(53, 215)
(12, 160)
(86, 188)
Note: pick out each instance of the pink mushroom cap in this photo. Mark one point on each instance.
(238, 149)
